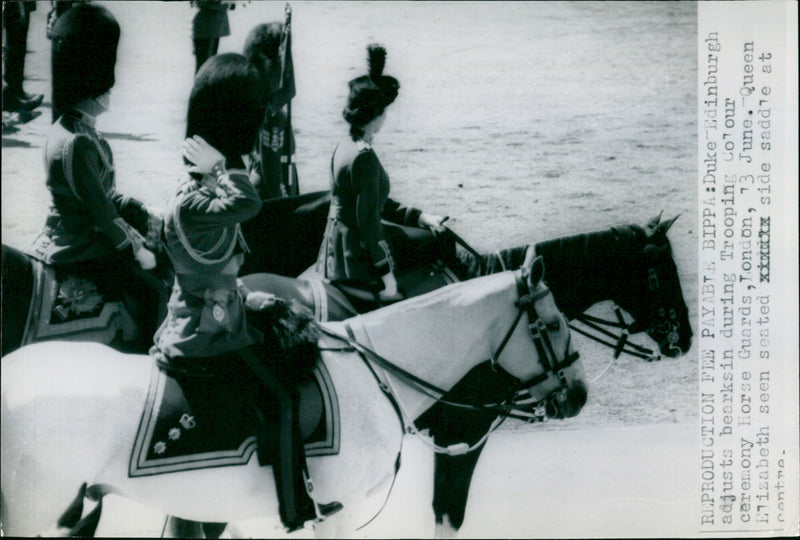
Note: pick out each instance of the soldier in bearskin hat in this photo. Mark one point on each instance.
(355, 254)
(206, 324)
(90, 227)
(262, 48)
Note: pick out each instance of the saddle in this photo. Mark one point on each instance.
(201, 418)
(211, 411)
(67, 304)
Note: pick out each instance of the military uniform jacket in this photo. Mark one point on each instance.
(211, 21)
(268, 158)
(85, 220)
(203, 238)
(354, 249)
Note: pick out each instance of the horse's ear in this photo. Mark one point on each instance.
(651, 225)
(535, 271)
(669, 223)
(663, 227)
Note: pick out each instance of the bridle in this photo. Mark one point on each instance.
(664, 323)
(520, 404)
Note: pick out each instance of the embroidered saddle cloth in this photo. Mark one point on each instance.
(195, 422)
(71, 305)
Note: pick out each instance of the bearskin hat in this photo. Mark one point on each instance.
(84, 53)
(226, 105)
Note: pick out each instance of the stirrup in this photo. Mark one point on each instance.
(322, 510)
(326, 509)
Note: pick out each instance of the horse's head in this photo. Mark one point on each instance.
(561, 387)
(654, 298)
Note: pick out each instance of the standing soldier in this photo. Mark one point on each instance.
(209, 24)
(16, 18)
(272, 169)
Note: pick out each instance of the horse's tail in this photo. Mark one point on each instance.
(17, 287)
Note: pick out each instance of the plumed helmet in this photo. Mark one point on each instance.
(84, 53)
(226, 105)
(370, 94)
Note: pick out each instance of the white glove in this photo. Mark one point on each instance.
(433, 222)
(258, 300)
(389, 291)
(145, 258)
(206, 158)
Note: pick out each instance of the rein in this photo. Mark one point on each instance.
(622, 345)
(520, 406)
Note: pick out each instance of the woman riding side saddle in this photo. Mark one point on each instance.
(356, 254)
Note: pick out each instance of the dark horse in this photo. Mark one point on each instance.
(644, 283)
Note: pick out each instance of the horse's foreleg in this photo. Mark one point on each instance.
(452, 478)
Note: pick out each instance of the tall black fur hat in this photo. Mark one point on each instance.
(262, 48)
(264, 42)
(370, 94)
(84, 53)
(226, 105)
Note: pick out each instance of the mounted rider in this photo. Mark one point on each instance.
(356, 253)
(206, 329)
(91, 228)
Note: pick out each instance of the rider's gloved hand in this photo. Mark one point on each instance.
(205, 158)
(145, 258)
(390, 291)
(432, 222)
(258, 300)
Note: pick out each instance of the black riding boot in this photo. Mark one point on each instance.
(292, 481)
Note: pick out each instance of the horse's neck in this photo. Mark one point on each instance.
(441, 335)
(585, 269)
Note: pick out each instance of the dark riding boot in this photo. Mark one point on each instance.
(295, 484)
(292, 481)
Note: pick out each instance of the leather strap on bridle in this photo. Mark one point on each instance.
(622, 344)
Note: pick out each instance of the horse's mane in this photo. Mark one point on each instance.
(612, 242)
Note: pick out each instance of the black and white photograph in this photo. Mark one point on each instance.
(340, 269)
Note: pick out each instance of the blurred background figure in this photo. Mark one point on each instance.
(16, 17)
(272, 169)
(57, 8)
(209, 24)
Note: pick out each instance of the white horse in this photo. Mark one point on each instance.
(70, 411)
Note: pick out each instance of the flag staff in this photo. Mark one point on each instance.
(287, 76)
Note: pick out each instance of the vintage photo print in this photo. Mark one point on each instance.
(578, 317)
